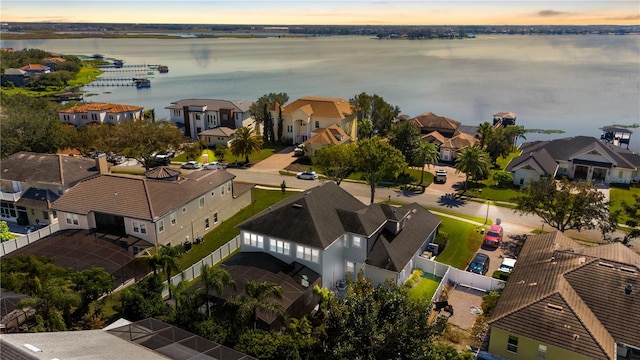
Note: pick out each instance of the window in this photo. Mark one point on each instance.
(94, 116)
(357, 241)
(197, 116)
(72, 219)
(54, 214)
(280, 247)
(317, 124)
(222, 191)
(160, 226)
(229, 187)
(213, 192)
(254, 240)
(201, 202)
(542, 351)
(224, 117)
(206, 223)
(307, 253)
(289, 128)
(143, 228)
(45, 215)
(110, 117)
(172, 218)
(620, 174)
(350, 267)
(215, 218)
(83, 116)
(184, 210)
(136, 226)
(512, 344)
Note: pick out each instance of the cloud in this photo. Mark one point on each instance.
(624, 18)
(549, 13)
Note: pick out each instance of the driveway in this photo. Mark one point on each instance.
(275, 162)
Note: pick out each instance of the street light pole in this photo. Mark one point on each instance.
(486, 219)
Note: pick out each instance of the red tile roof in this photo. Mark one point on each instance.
(110, 108)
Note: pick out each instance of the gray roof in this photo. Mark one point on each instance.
(213, 104)
(540, 158)
(323, 214)
(14, 71)
(47, 168)
(310, 218)
(222, 131)
(566, 149)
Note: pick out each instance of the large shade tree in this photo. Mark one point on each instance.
(336, 161)
(473, 162)
(259, 109)
(141, 139)
(375, 108)
(378, 160)
(246, 142)
(565, 205)
(405, 137)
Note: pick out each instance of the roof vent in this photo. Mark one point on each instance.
(610, 266)
(554, 307)
(582, 259)
(553, 259)
(576, 337)
(628, 289)
(297, 206)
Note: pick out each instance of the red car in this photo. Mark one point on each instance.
(493, 236)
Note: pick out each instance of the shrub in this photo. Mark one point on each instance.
(503, 178)
(501, 275)
(489, 301)
(416, 275)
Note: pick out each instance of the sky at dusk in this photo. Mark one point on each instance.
(311, 12)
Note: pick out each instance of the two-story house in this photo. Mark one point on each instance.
(99, 113)
(31, 182)
(448, 134)
(577, 158)
(566, 301)
(199, 115)
(301, 117)
(334, 234)
(156, 209)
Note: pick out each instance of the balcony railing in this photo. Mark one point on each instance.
(11, 196)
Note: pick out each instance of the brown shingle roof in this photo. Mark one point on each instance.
(329, 135)
(459, 141)
(559, 289)
(334, 108)
(430, 120)
(47, 168)
(137, 197)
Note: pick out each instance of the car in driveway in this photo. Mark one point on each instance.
(191, 165)
(493, 237)
(307, 175)
(479, 264)
(507, 265)
(441, 176)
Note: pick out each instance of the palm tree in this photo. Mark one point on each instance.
(245, 143)
(164, 257)
(473, 162)
(261, 297)
(215, 278)
(485, 130)
(427, 153)
(365, 128)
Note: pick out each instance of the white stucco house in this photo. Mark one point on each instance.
(99, 113)
(198, 115)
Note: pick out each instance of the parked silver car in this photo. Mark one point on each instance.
(307, 175)
(191, 165)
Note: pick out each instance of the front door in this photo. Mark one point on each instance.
(580, 172)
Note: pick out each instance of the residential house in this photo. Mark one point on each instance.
(99, 113)
(301, 117)
(159, 210)
(448, 134)
(565, 301)
(35, 69)
(334, 234)
(577, 158)
(53, 62)
(220, 135)
(198, 115)
(31, 182)
(15, 77)
(332, 135)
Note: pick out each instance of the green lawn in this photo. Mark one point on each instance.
(425, 288)
(487, 189)
(226, 231)
(464, 240)
(616, 195)
(183, 157)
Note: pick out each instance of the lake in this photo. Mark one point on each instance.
(572, 83)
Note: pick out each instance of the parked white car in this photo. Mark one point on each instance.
(307, 175)
(507, 265)
(213, 166)
(191, 165)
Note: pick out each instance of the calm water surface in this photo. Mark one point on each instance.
(572, 83)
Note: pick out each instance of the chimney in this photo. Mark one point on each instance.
(628, 289)
(101, 164)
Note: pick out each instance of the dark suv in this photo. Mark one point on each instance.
(479, 264)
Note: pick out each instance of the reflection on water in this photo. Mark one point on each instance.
(572, 83)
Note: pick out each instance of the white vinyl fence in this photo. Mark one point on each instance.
(212, 259)
(15, 244)
(457, 277)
